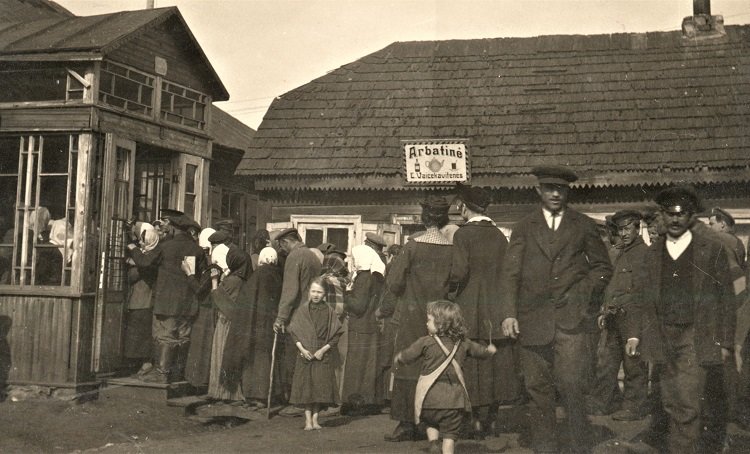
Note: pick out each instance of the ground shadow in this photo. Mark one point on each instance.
(340, 421)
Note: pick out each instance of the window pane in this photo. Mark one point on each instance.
(339, 237)
(55, 154)
(190, 171)
(9, 155)
(313, 238)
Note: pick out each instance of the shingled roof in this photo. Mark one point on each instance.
(51, 37)
(620, 109)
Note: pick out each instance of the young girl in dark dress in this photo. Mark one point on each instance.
(315, 329)
(441, 400)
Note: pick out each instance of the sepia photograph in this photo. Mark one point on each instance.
(375, 226)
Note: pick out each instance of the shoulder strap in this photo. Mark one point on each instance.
(456, 367)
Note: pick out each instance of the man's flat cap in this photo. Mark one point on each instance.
(375, 238)
(286, 232)
(476, 198)
(679, 199)
(624, 217)
(552, 174)
(224, 223)
(218, 237)
(168, 213)
(728, 218)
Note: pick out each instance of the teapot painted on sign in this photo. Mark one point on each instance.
(435, 165)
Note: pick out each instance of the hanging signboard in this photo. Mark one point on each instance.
(436, 162)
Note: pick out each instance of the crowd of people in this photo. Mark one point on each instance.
(459, 321)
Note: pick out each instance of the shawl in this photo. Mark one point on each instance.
(303, 329)
(335, 280)
(149, 237)
(219, 257)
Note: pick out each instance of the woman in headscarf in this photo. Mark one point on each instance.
(254, 338)
(201, 337)
(228, 299)
(359, 388)
(138, 344)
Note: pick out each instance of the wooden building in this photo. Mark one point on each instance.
(101, 118)
(629, 112)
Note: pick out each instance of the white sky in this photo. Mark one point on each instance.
(264, 48)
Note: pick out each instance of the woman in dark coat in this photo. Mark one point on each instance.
(359, 387)
(421, 274)
(263, 292)
(202, 334)
(231, 302)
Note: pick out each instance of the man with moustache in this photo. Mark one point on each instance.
(688, 301)
(620, 297)
(555, 270)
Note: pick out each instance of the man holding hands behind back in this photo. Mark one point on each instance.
(556, 268)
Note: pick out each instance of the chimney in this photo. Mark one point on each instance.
(701, 7)
(702, 25)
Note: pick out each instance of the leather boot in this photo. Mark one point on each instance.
(180, 362)
(405, 431)
(160, 373)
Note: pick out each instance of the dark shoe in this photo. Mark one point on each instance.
(627, 415)
(402, 432)
(155, 375)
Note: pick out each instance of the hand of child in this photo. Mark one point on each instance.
(492, 349)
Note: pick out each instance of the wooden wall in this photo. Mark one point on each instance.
(47, 119)
(49, 339)
(170, 42)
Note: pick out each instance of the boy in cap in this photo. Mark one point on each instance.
(555, 270)
(621, 296)
(687, 297)
(482, 245)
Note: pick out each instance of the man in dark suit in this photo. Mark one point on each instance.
(178, 260)
(482, 245)
(555, 270)
(687, 317)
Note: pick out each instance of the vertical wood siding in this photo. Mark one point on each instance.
(39, 337)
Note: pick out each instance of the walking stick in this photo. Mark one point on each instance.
(270, 378)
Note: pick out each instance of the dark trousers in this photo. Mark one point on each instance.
(682, 387)
(606, 390)
(557, 367)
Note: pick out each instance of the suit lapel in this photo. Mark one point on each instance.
(700, 264)
(567, 226)
(541, 232)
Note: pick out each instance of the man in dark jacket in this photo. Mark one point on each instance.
(482, 245)
(178, 260)
(687, 314)
(621, 296)
(555, 269)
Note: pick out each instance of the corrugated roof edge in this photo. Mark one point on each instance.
(379, 182)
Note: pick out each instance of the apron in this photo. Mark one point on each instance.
(425, 382)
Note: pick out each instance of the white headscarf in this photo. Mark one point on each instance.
(61, 235)
(365, 258)
(268, 256)
(149, 237)
(203, 237)
(219, 257)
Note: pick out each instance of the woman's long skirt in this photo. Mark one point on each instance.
(216, 388)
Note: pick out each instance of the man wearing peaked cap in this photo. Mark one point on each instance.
(179, 262)
(482, 245)
(554, 273)
(377, 243)
(620, 297)
(723, 223)
(686, 295)
(553, 174)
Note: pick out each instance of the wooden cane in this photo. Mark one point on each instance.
(270, 378)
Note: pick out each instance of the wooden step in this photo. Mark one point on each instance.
(133, 387)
